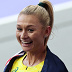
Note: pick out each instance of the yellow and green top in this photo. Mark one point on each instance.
(18, 66)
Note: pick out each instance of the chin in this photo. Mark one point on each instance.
(26, 49)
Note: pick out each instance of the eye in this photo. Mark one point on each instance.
(19, 29)
(30, 30)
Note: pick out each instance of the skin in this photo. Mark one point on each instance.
(29, 29)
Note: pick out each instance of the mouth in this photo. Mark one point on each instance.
(26, 43)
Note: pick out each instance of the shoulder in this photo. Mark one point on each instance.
(18, 54)
(10, 62)
(55, 62)
(59, 63)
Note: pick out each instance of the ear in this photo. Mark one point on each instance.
(48, 31)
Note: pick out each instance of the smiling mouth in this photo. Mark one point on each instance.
(26, 43)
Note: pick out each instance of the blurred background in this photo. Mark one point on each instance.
(60, 41)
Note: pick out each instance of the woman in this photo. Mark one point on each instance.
(34, 25)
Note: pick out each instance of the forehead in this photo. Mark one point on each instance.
(28, 20)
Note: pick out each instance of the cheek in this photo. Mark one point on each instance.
(37, 37)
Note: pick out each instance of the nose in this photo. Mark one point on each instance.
(24, 35)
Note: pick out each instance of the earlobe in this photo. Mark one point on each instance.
(45, 36)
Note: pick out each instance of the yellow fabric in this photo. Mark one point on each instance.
(18, 66)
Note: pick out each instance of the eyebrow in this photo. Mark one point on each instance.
(31, 26)
(28, 25)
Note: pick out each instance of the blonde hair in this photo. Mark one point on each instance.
(45, 15)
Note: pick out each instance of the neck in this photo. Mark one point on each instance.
(34, 58)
